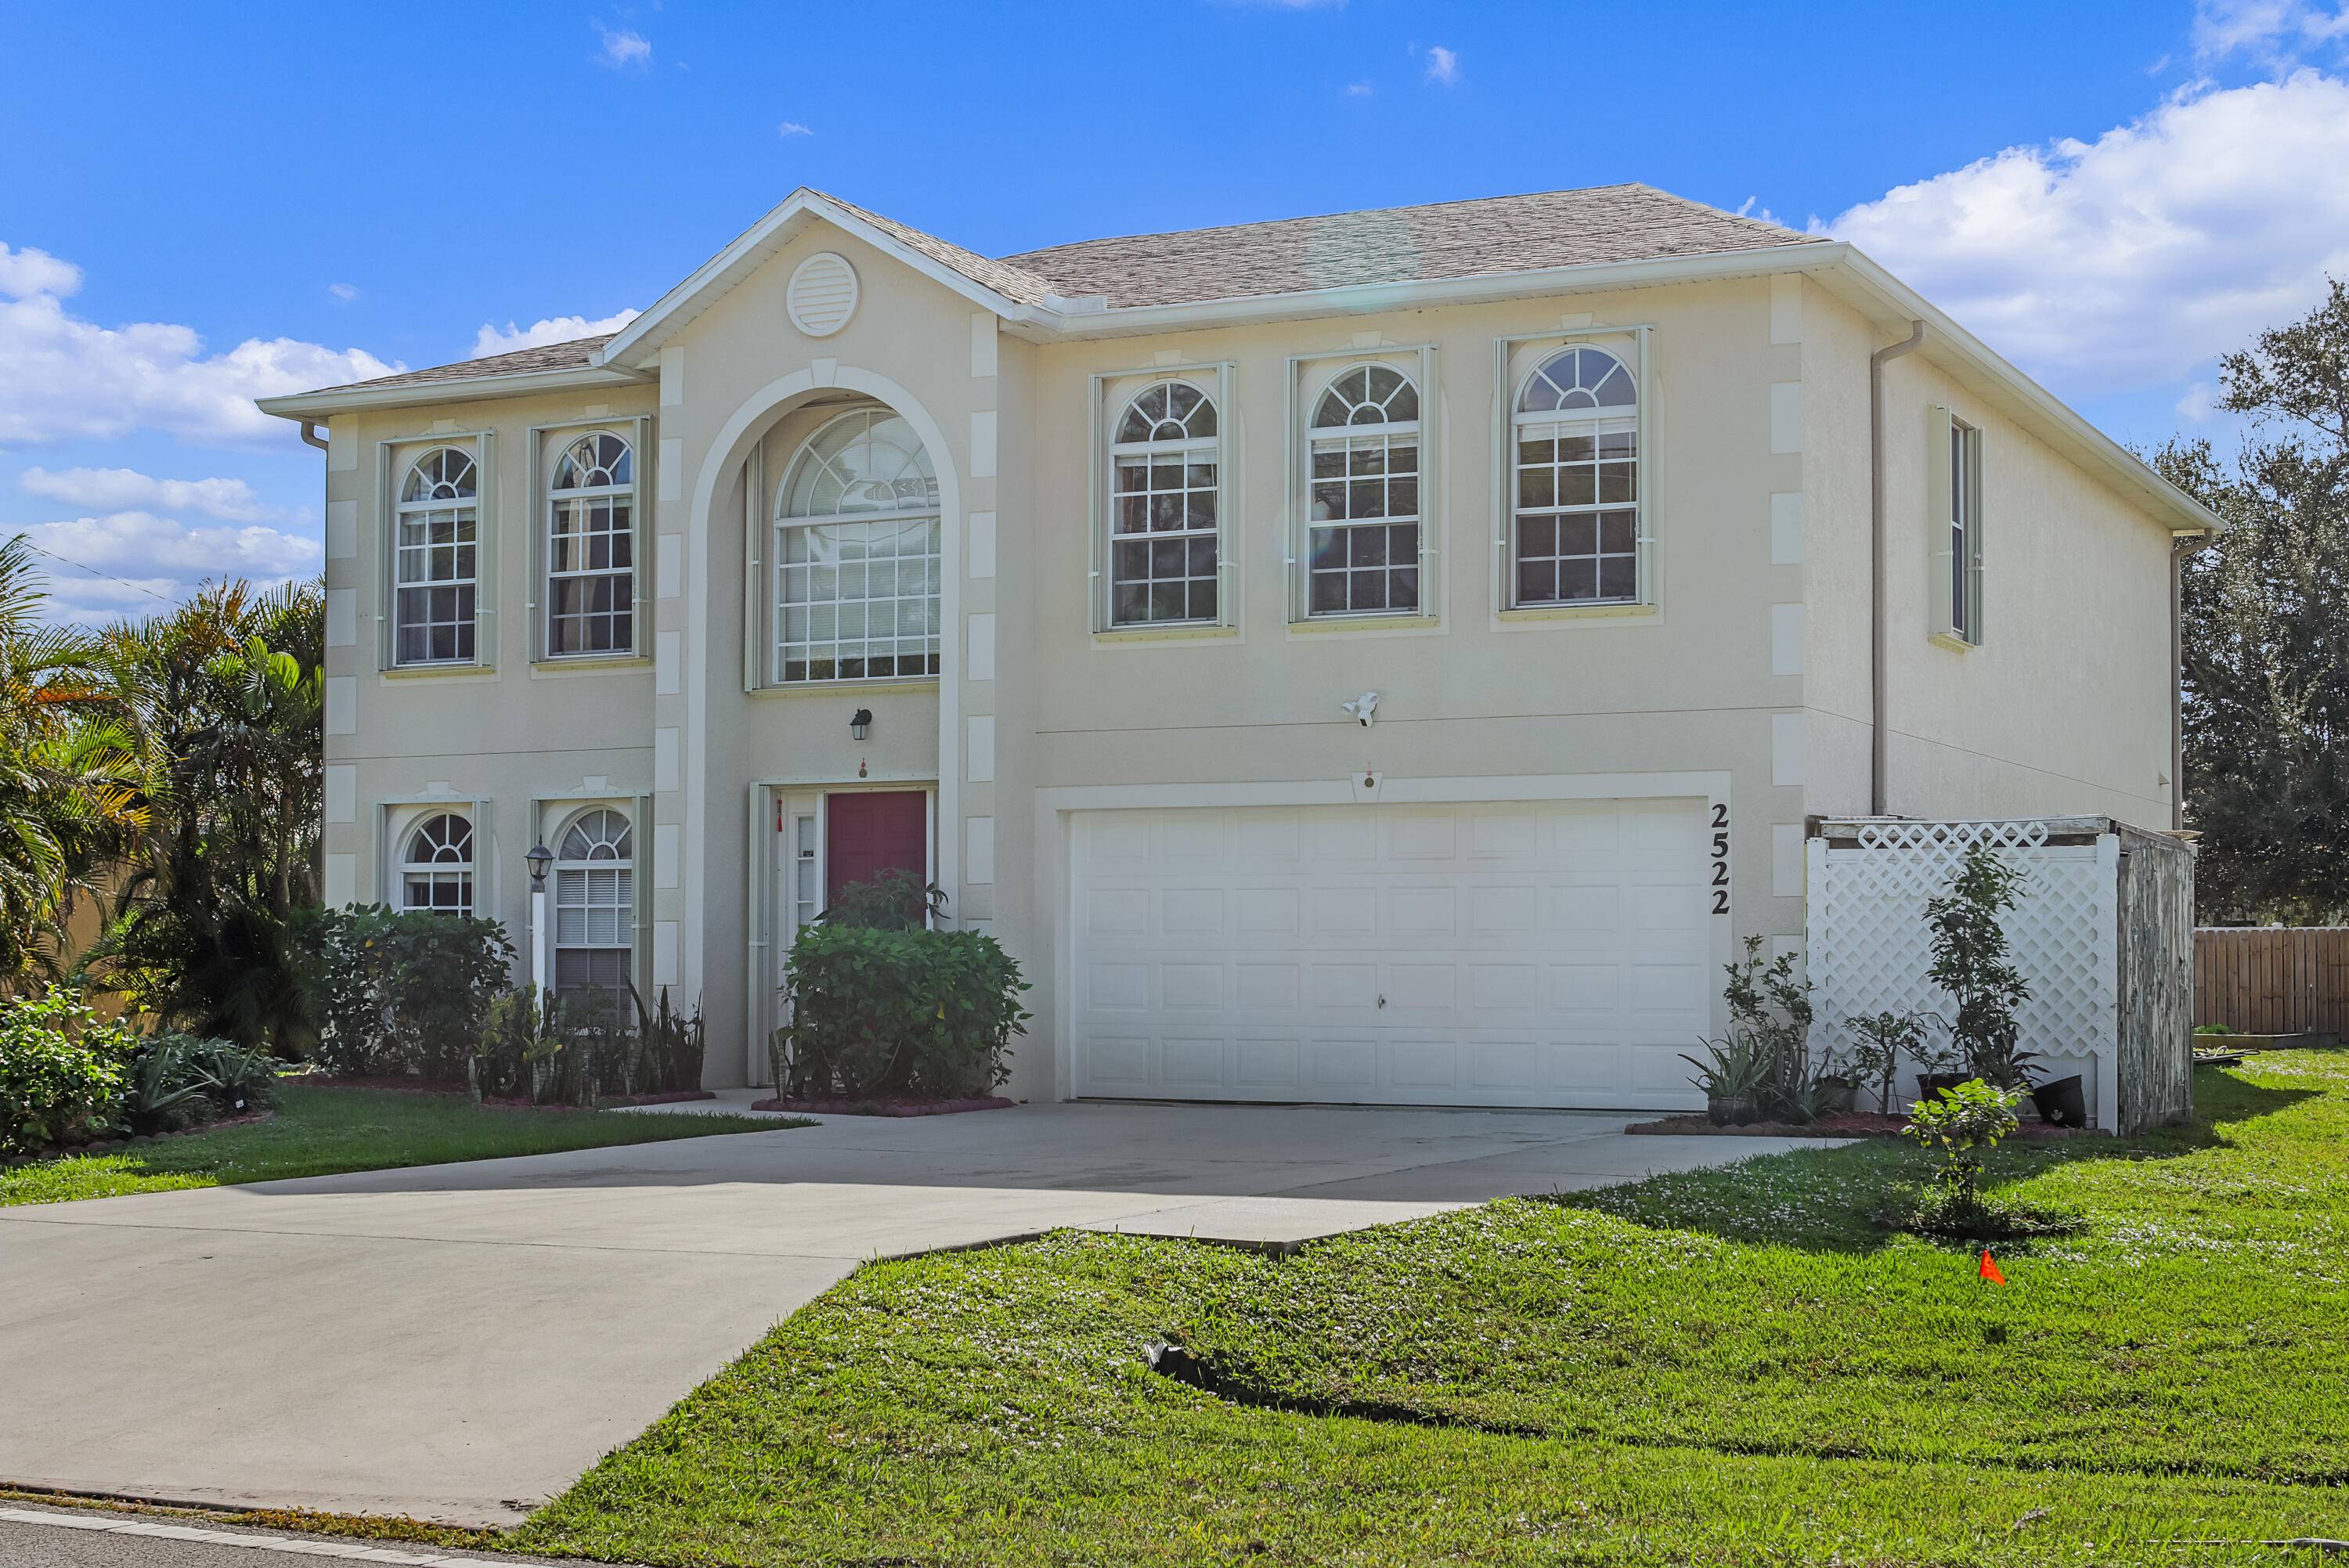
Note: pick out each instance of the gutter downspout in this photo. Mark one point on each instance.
(313, 434)
(2180, 548)
(1876, 633)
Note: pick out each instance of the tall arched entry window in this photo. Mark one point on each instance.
(857, 544)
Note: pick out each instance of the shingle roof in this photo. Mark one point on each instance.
(1399, 244)
(571, 355)
(1482, 237)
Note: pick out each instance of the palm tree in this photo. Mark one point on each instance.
(227, 691)
(73, 779)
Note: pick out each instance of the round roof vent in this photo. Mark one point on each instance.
(822, 294)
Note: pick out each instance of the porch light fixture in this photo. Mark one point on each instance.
(540, 857)
(860, 723)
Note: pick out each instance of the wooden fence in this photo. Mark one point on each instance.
(2277, 981)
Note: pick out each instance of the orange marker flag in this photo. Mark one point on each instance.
(1988, 1270)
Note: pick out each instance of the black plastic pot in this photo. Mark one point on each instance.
(2061, 1103)
(1729, 1110)
(1930, 1085)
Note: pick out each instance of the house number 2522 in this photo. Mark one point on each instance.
(1719, 857)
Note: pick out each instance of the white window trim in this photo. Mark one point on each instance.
(763, 665)
(398, 817)
(1943, 427)
(1309, 376)
(546, 445)
(394, 459)
(1514, 359)
(1120, 387)
(568, 820)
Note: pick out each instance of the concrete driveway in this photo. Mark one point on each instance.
(459, 1342)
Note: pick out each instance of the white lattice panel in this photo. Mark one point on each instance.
(1869, 950)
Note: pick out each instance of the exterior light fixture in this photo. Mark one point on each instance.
(860, 723)
(540, 857)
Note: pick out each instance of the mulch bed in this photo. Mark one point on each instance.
(884, 1106)
(495, 1102)
(116, 1145)
(1837, 1124)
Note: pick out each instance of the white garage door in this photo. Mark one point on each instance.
(1512, 953)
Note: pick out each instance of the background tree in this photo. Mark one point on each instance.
(72, 780)
(2266, 629)
(226, 691)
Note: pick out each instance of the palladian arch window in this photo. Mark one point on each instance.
(857, 538)
(436, 865)
(1364, 544)
(435, 569)
(590, 538)
(1577, 515)
(1162, 554)
(595, 901)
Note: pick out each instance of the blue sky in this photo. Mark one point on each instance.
(2111, 194)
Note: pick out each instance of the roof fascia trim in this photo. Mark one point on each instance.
(457, 390)
(716, 277)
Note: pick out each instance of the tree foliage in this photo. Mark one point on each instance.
(2265, 620)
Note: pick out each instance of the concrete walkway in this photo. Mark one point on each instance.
(459, 1342)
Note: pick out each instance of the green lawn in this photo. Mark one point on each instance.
(319, 1131)
(1730, 1368)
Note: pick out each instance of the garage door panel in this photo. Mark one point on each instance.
(1556, 954)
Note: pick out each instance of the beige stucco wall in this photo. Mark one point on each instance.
(1750, 673)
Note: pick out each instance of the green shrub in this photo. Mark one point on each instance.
(903, 1011)
(404, 992)
(1956, 1126)
(1971, 963)
(61, 1071)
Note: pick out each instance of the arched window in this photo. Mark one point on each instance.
(1362, 546)
(1577, 505)
(590, 548)
(595, 901)
(436, 865)
(856, 554)
(1163, 553)
(434, 571)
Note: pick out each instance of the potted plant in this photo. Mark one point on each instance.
(1971, 963)
(1883, 1039)
(1731, 1080)
(2062, 1102)
(1770, 1014)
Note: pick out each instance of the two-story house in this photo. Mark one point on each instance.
(1065, 578)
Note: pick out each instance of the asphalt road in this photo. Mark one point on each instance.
(28, 1540)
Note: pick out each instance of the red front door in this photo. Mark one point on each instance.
(871, 832)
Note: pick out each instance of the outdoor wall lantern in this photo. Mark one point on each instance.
(540, 857)
(860, 723)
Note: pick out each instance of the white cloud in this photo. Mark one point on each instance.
(29, 272)
(1442, 65)
(494, 339)
(140, 554)
(792, 127)
(344, 293)
(2272, 30)
(2127, 261)
(63, 378)
(623, 48)
(1359, 89)
(123, 490)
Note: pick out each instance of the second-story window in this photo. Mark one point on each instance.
(590, 545)
(857, 539)
(1162, 546)
(1363, 547)
(1576, 513)
(435, 562)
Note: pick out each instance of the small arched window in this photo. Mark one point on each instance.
(857, 537)
(1577, 513)
(1362, 546)
(436, 865)
(594, 901)
(591, 547)
(434, 569)
(1163, 554)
